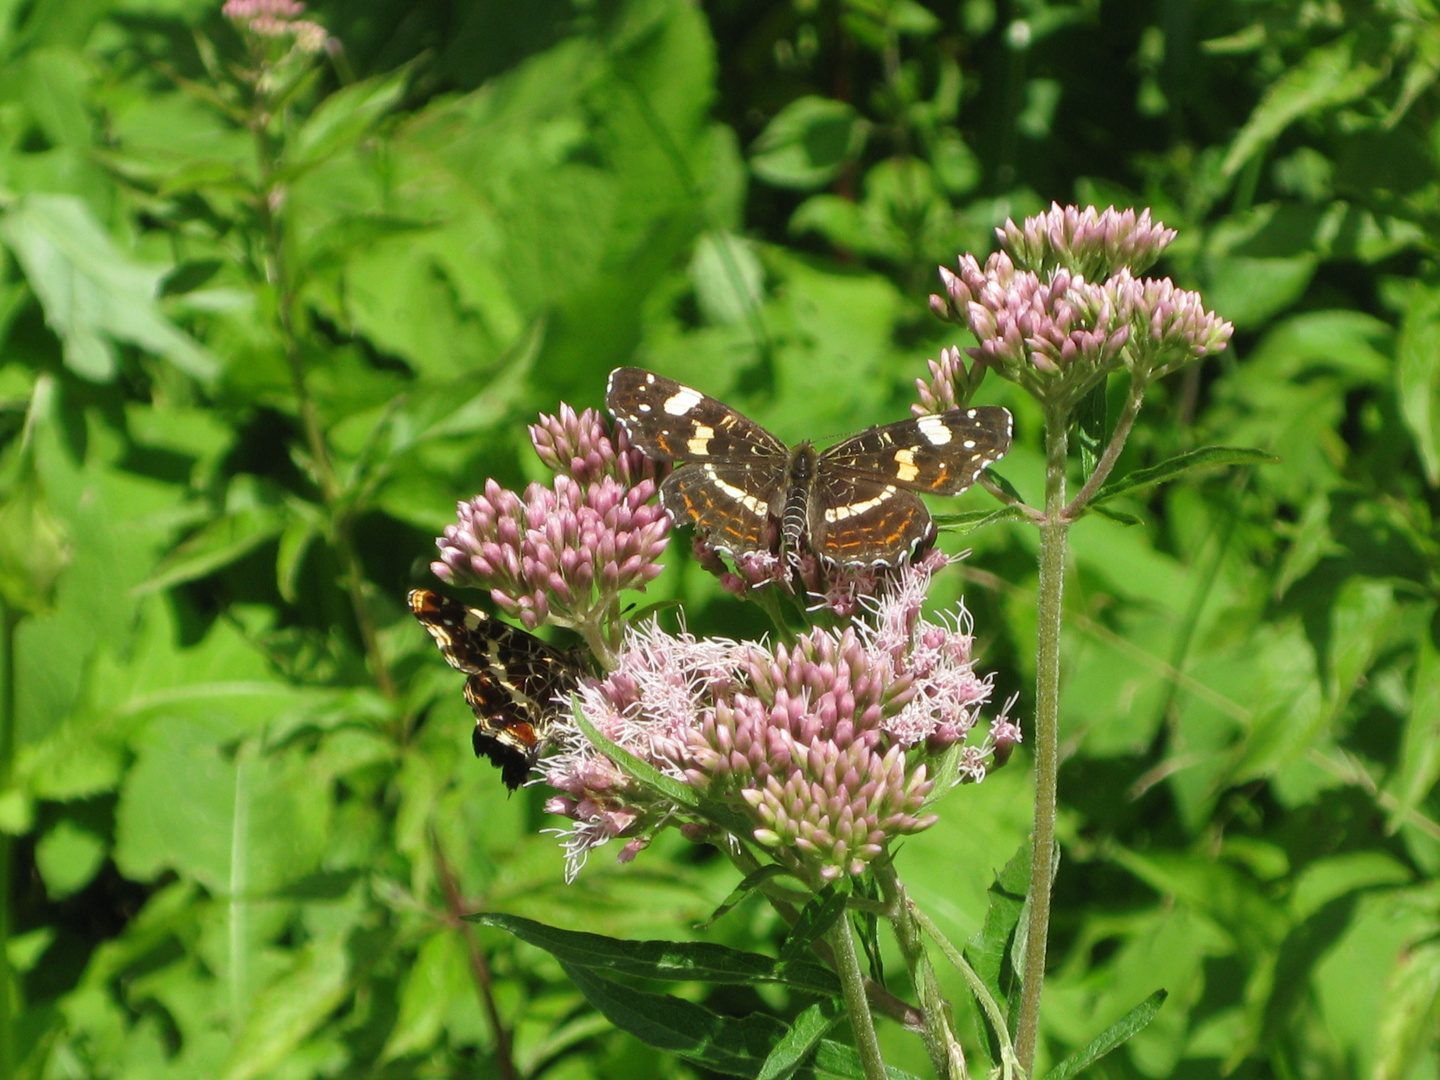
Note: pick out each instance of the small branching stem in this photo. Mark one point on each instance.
(947, 1057)
(479, 966)
(1123, 423)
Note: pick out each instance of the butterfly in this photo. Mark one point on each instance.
(514, 680)
(850, 504)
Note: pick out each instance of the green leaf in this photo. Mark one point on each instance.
(1206, 457)
(1419, 759)
(728, 278)
(989, 952)
(1362, 619)
(679, 793)
(1115, 1035)
(817, 918)
(664, 960)
(1417, 376)
(802, 1038)
(1328, 76)
(633, 767)
(344, 117)
(35, 547)
(1410, 1014)
(842, 1062)
(1090, 427)
(971, 520)
(68, 857)
(223, 541)
(1310, 541)
(807, 143)
(91, 291)
(439, 975)
(756, 879)
(289, 1009)
(736, 1046)
(250, 824)
(1120, 517)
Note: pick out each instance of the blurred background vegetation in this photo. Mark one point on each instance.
(263, 326)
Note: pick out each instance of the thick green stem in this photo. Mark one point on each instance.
(857, 1005)
(1047, 739)
(9, 620)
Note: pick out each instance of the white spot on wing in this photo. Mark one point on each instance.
(840, 513)
(699, 443)
(682, 401)
(908, 470)
(740, 495)
(934, 430)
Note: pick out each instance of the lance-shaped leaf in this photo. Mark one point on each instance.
(1113, 1036)
(669, 961)
(1206, 457)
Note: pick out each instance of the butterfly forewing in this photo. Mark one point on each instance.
(669, 420)
(513, 685)
(943, 453)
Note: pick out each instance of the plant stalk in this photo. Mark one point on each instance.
(857, 1005)
(1123, 423)
(1047, 739)
(479, 965)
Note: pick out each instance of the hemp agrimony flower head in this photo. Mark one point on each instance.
(1059, 308)
(562, 554)
(819, 753)
(274, 31)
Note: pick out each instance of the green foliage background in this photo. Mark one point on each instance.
(243, 812)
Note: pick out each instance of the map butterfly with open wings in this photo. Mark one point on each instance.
(851, 504)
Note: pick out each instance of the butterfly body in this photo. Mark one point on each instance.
(850, 504)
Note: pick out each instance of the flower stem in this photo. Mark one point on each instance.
(857, 1005)
(1047, 740)
(479, 965)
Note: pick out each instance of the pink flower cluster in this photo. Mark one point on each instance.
(1089, 243)
(1059, 308)
(562, 553)
(825, 748)
(277, 19)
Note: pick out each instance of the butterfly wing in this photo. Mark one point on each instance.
(673, 422)
(943, 453)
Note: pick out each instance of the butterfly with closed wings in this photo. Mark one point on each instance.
(850, 504)
(516, 685)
